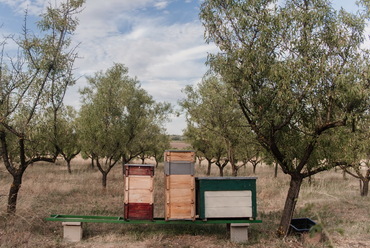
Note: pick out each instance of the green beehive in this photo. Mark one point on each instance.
(226, 197)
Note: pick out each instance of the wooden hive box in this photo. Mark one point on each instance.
(179, 168)
(180, 197)
(179, 155)
(226, 197)
(139, 197)
(139, 169)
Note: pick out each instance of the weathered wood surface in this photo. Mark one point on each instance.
(228, 204)
(180, 197)
(139, 189)
(139, 169)
(173, 155)
(224, 197)
(138, 211)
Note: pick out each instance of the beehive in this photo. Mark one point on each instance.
(139, 197)
(179, 155)
(226, 197)
(180, 197)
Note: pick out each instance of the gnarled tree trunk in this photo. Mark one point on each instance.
(290, 204)
(364, 187)
(13, 192)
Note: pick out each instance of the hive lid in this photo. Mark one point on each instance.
(141, 165)
(225, 178)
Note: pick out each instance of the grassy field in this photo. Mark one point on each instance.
(48, 189)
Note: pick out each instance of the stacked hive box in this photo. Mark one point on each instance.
(180, 185)
(138, 197)
(226, 197)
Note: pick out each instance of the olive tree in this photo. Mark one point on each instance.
(66, 137)
(39, 73)
(202, 142)
(298, 72)
(118, 119)
(211, 108)
(355, 161)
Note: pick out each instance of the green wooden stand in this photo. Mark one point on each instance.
(70, 229)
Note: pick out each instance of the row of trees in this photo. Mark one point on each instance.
(215, 127)
(117, 121)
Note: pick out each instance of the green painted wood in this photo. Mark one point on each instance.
(204, 184)
(121, 220)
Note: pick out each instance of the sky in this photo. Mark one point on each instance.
(160, 41)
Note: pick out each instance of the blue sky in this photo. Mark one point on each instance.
(160, 41)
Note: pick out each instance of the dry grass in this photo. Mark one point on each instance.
(49, 189)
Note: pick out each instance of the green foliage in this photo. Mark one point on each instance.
(34, 82)
(297, 70)
(215, 125)
(299, 74)
(118, 119)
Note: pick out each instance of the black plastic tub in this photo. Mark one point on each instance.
(301, 224)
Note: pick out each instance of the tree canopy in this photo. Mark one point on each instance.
(31, 82)
(118, 119)
(299, 73)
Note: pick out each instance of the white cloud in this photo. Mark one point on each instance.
(161, 4)
(164, 55)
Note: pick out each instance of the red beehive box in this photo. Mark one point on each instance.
(138, 197)
(139, 169)
(138, 211)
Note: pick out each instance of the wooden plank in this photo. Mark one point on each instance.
(138, 211)
(181, 212)
(139, 169)
(229, 212)
(229, 193)
(180, 197)
(179, 156)
(139, 196)
(139, 189)
(180, 181)
(140, 182)
(228, 204)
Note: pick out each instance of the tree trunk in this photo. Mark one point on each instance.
(221, 170)
(13, 193)
(124, 161)
(209, 168)
(276, 170)
(290, 204)
(254, 167)
(92, 162)
(235, 170)
(365, 187)
(69, 166)
(104, 180)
